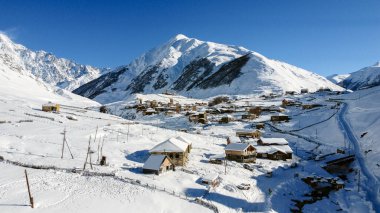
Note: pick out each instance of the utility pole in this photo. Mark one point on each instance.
(359, 180)
(63, 144)
(88, 153)
(29, 193)
(100, 140)
(96, 132)
(225, 166)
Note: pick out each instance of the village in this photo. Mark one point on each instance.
(208, 150)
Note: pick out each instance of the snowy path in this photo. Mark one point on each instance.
(372, 183)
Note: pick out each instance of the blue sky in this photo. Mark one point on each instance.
(324, 36)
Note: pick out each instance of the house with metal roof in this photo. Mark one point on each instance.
(158, 164)
(240, 152)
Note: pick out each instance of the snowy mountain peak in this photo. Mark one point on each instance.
(201, 69)
(179, 37)
(45, 66)
(377, 64)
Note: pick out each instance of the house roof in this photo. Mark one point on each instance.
(150, 110)
(218, 156)
(154, 162)
(237, 146)
(170, 145)
(49, 104)
(279, 114)
(246, 130)
(273, 149)
(183, 139)
(273, 141)
(210, 177)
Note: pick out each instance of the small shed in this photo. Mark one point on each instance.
(226, 119)
(260, 125)
(211, 179)
(279, 117)
(303, 91)
(50, 107)
(217, 159)
(158, 164)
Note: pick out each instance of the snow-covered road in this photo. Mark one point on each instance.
(371, 184)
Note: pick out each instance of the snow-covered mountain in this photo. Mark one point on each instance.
(201, 69)
(337, 78)
(55, 71)
(363, 78)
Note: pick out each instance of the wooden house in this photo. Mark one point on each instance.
(199, 117)
(274, 152)
(273, 149)
(175, 149)
(187, 141)
(170, 113)
(255, 110)
(290, 92)
(150, 111)
(260, 125)
(248, 133)
(226, 119)
(50, 107)
(279, 117)
(248, 116)
(272, 141)
(288, 102)
(240, 152)
(158, 164)
(310, 106)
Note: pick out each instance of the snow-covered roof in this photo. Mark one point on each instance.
(170, 145)
(150, 110)
(183, 139)
(279, 114)
(218, 156)
(274, 148)
(210, 177)
(234, 139)
(269, 141)
(237, 146)
(245, 130)
(154, 162)
(49, 104)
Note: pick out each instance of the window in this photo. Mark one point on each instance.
(177, 155)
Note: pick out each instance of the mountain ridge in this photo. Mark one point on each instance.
(55, 71)
(202, 69)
